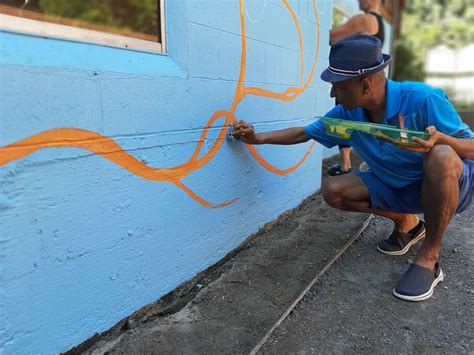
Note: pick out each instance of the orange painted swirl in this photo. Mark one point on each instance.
(111, 150)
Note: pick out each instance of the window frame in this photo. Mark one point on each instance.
(37, 28)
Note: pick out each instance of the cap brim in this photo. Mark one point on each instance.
(331, 77)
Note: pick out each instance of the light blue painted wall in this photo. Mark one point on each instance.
(83, 242)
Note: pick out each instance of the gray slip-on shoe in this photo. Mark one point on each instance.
(399, 243)
(418, 283)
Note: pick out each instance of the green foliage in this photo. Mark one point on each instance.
(462, 105)
(437, 22)
(133, 15)
(338, 17)
(408, 65)
(427, 24)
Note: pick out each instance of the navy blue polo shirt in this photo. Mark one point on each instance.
(421, 105)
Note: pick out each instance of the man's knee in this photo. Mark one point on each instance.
(332, 193)
(442, 161)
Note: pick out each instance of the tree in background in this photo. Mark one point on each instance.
(139, 16)
(133, 15)
(427, 24)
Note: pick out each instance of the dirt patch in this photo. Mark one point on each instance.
(352, 310)
(230, 307)
(241, 300)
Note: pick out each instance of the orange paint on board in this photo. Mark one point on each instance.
(109, 149)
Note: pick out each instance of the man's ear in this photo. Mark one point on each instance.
(366, 85)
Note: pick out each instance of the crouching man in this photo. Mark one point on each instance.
(435, 178)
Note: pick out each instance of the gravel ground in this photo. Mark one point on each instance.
(352, 309)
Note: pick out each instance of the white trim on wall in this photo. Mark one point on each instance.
(163, 27)
(21, 25)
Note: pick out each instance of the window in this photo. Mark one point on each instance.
(133, 24)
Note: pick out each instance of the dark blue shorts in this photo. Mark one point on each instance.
(408, 199)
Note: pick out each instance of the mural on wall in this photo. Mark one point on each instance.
(109, 149)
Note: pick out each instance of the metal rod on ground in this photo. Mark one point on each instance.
(311, 284)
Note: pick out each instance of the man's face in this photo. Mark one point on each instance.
(348, 93)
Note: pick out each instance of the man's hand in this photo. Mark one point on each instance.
(424, 146)
(292, 135)
(245, 132)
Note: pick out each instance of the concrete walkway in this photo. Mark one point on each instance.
(352, 310)
(231, 307)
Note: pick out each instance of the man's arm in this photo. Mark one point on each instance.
(364, 24)
(464, 147)
(247, 134)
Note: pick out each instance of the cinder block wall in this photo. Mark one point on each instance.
(116, 181)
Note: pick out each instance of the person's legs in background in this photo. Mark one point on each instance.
(345, 153)
(345, 165)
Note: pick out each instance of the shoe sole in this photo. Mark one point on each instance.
(423, 296)
(407, 247)
(340, 174)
